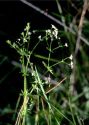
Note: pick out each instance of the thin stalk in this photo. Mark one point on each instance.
(25, 93)
(50, 50)
(70, 106)
(37, 112)
(25, 86)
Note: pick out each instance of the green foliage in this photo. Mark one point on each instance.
(41, 98)
(54, 96)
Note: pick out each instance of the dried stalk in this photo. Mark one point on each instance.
(80, 26)
(73, 75)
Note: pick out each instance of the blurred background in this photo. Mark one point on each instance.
(65, 15)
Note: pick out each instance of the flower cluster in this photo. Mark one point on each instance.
(66, 45)
(71, 63)
(55, 31)
(52, 33)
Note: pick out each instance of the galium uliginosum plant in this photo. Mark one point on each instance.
(21, 46)
(40, 101)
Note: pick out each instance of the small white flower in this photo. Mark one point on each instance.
(18, 39)
(48, 31)
(39, 37)
(25, 40)
(29, 33)
(66, 45)
(55, 31)
(54, 27)
(59, 38)
(71, 57)
(33, 73)
(34, 31)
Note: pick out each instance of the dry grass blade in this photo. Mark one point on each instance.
(85, 7)
(20, 116)
(73, 75)
(56, 85)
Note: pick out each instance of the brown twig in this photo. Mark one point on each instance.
(80, 26)
(73, 75)
(56, 86)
